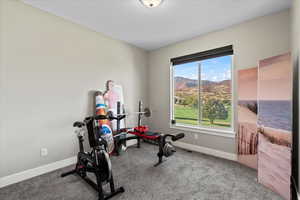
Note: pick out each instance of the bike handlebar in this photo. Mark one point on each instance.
(100, 117)
(109, 117)
(175, 137)
(178, 136)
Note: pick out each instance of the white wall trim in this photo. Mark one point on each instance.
(205, 150)
(30, 173)
(215, 132)
(27, 174)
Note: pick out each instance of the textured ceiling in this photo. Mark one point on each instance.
(173, 21)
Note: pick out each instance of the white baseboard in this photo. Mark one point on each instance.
(205, 150)
(27, 174)
(21, 176)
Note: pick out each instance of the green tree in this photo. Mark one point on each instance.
(191, 101)
(214, 109)
(185, 102)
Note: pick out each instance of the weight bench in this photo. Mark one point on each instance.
(165, 147)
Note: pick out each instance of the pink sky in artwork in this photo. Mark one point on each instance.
(275, 71)
(247, 84)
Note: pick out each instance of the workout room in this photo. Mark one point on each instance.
(149, 99)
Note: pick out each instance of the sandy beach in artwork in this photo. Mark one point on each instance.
(274, 159)
(274, 164)
(247, 138)
(272, 155)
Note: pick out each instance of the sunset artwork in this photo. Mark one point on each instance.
(275, 123)
(264, 136)
(247, 138)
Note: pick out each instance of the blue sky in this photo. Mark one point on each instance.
(215, 69)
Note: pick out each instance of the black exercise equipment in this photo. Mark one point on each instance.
(140, 132)
(166, 148)
(97, 161)
(141, 112)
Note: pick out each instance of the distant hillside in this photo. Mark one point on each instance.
(183, 84)
(225, 82)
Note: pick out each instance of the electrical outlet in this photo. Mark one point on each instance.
(44, 151)
(196, 136)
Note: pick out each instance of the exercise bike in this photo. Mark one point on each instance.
(97, 161)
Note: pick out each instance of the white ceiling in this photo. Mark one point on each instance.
(173, 21)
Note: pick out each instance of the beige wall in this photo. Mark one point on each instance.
(252, 41)
(48, 67)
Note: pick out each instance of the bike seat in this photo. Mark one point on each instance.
(78, 124)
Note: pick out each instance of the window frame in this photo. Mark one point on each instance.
(217, 131)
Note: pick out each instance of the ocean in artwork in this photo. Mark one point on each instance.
(273, 114)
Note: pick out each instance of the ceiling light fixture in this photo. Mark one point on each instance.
(151, 3)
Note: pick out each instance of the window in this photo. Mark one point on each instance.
(202, 90)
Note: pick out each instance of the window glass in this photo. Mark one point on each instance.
(186, 94)
(208, 82)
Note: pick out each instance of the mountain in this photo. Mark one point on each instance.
(225, 82)
(182, 83)
(185, 84)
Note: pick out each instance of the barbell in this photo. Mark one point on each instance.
(146, 112)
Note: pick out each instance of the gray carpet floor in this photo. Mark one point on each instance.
(188, 176)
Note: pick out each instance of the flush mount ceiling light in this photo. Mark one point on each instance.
(151, 3)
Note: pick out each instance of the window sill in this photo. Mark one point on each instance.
(208, 131)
